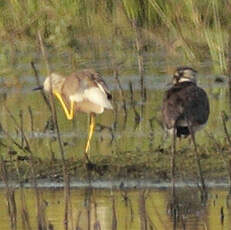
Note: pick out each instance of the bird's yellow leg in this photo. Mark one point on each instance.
(91, 130)
(70, 114)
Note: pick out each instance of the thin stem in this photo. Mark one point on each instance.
(54, 116)
(203, 186)
(173, 166)
(39, 84)
(173, 175)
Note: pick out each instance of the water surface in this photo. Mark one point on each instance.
(119, 135)
(123, 209)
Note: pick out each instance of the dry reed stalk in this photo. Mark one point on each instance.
(227, 163)
(124, 106)
(10, 195)
(43, 51)
(219, 149)
(54, 116)
(151, 133)
(88, 207)
(20, 129)
(114, 216)
(128, 203)
(77, 227)
(140, 59)
(223, 116)
(174, 202)
(222, 215)
(173, 167)
(24, 209)
(31, 120)
(97, 225)
(121, 91)
(39, 84)
(133, 104)
(68, 207)
(53, 159)
(116, 115)
(142, 211)
(202, 187)
(48, 105)
(41, 214)
(41, 218)
(13, 141)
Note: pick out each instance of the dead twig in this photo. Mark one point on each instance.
(133, 104)
(10, 195)
(39, 84)
(121, 91)
(31, 120)
(227, 163)
(54, 116)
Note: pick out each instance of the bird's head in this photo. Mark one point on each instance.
(54, 81)
(184, 74)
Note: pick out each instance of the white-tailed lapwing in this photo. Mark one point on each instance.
(83, 91)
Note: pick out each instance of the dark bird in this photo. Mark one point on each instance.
(185, 111)
(83, 91)
(185, 105)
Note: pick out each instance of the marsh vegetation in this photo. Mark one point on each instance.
(135, 45)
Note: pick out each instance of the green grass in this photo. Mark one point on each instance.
(190, 30)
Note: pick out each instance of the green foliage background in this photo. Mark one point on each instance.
(191, 30)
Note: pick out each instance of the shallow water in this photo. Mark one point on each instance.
(115, 130)
(116, 133)
(122, 209)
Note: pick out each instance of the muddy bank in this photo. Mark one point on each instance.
(132, 165)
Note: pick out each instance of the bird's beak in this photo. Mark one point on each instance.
(38, 88)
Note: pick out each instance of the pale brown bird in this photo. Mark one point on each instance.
(83, 91)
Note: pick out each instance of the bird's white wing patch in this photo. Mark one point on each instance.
(77, 97)
(98, 96)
